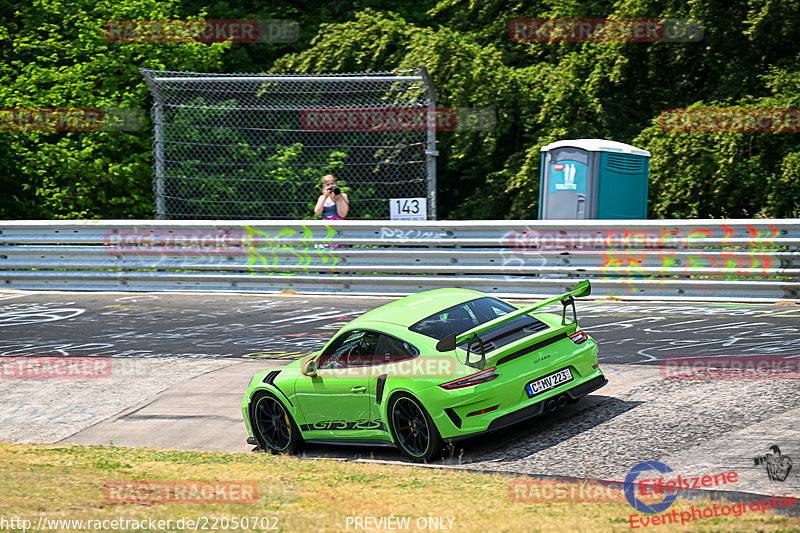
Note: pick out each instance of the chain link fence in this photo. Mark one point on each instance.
(241, 146)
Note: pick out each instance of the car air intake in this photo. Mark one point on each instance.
(269, 378)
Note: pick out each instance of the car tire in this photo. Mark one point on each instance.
(273, 426)
(413, 430)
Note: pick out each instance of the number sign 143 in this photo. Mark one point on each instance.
(408, 208)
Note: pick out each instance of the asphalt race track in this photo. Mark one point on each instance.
(180, 364)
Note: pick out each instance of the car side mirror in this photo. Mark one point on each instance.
(447, 344)
(310, 369)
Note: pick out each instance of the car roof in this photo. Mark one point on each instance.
(411, 309)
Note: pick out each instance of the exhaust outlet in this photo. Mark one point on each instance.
(550, 405)
(562, 401)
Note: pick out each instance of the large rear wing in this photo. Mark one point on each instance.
(583, 288)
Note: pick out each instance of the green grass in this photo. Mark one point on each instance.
(305, 495)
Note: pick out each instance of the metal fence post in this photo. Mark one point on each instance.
(430, 150)
(158, 154)
(158, 145)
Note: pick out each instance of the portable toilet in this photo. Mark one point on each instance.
(593, 179)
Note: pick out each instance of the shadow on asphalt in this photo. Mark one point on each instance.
(515, 442)
(538, 434)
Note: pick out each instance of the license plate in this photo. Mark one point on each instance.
(548, 382)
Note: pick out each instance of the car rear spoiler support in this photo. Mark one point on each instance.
(450, 342)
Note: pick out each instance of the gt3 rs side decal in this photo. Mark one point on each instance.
(344, 425)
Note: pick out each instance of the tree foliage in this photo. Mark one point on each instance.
(54, 55)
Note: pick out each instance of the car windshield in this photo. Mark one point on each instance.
(461, 317)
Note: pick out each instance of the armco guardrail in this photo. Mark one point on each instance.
(725, 259)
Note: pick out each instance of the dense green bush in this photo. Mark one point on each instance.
(55, 55)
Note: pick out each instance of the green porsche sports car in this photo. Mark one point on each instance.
(426, 370)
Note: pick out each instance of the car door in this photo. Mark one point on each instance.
(391, 361)
(335, 402)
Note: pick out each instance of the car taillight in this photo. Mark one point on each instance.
(474, 379)
(579, 337)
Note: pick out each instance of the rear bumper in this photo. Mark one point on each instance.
(534, 410)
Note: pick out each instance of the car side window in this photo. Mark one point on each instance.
(354, 348)
(391, 350)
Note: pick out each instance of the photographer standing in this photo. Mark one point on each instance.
(332, 204)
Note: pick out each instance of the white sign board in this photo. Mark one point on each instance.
(408, 209)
